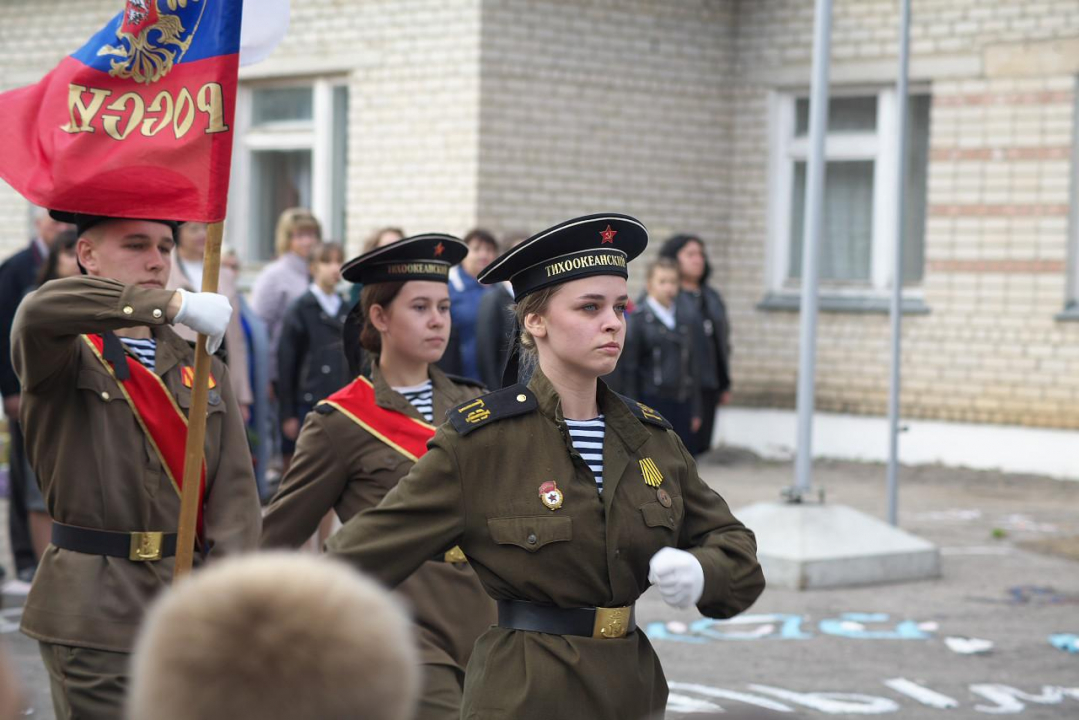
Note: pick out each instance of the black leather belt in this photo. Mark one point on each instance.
(135, 546)
(607, 623)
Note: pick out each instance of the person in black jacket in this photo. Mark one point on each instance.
(17, 276)
(660, 363)
(311, 356)
(693, 266)
(494, 325)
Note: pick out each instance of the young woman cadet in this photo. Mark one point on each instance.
(364, 438)
(568, 500)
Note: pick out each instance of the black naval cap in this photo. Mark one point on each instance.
(85, 221)
(420, 257)
(600, 244)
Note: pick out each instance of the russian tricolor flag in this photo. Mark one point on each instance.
(138, 122)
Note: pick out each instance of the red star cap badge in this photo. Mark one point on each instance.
(439, 249)
(608, 235)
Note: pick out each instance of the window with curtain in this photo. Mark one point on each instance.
(856, 247)
(293, 152)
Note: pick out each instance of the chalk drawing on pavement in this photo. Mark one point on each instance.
(1066, 642)
(689, 698)
(1033, 595)
(782, 626)
(968, 645)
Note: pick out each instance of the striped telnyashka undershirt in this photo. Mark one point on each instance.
(587, 438)
(422, 398)
(144, 349)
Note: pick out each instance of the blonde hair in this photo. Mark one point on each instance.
(535, 303)
(292, 221)
(275, 636)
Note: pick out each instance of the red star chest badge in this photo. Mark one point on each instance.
(608, 235)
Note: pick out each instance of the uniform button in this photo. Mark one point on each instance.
(532, 539)
(157, 312)
(670, 519)
(617, 553)
(105, 395)
(308, 397)
(128, 310)
(522, 397)
(325, 369)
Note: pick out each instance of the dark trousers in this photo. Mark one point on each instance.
(22, 548)
(86, 684)
(678, 413)
(702, 439)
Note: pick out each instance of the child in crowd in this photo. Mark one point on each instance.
(311, 357)
(659, 364)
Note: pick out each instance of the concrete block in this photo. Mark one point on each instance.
(804, 547)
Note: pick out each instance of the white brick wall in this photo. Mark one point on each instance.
(596, 106)
(996, 235)
(515, 114)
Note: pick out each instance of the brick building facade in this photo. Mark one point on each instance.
(513, 114)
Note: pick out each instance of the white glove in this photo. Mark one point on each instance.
(206, 313)
(679, 576)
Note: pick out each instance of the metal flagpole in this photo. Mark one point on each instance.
(897, 268)
(814, 223)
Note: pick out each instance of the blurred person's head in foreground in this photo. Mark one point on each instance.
(275, 636)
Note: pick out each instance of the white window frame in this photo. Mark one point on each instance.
(880, 146)
(316, 136)
(1071, 301)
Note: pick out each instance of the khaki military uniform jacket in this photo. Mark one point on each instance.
(97, 468)
(481, 490)
(340, 465)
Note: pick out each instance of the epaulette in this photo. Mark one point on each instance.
(645, 413)
(499, 405)
(324, 408)
(462, 380)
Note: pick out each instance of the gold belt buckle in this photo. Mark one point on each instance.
(145, 546)
(611, 622)
(455, 555)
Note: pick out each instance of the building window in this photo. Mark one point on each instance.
(1071, 303)
(291, 150)
(859, 195)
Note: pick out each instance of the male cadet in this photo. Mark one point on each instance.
(106, 387)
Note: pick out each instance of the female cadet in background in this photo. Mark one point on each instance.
(567, 499)
(365, 437)
(715, 341)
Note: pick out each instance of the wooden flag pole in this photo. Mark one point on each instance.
(196, 421)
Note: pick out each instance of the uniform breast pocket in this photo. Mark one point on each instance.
(386, 467)
(102, 386)
(656, 515)
(530, 533)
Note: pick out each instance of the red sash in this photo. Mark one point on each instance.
(158, 415)
(404, 434)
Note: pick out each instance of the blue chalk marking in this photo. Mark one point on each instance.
(1066, 642)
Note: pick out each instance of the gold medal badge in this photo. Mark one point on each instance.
(550, 495)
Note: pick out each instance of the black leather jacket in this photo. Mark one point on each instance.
(311, 361)
(661, 362)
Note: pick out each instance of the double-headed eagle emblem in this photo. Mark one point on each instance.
(151, 40)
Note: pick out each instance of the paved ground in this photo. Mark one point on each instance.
(880, 650)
